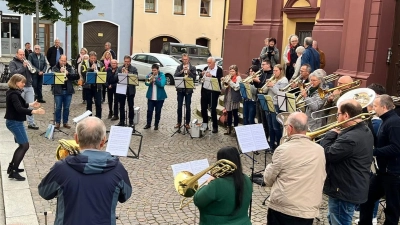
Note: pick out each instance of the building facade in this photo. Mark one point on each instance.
(182, 21)
(104, 23)
(360, 38)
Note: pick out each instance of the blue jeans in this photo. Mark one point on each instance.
(275, 130)
(151, 105)
(18, 130)
(63, 102)
(29, 95)
(340, 212)
(249, 112)
(37, 82)
(188, 100)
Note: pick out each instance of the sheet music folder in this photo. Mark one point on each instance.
(182, 82)
(128, 79)
(211, 83)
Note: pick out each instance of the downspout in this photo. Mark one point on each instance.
(223, 30)
(132, 19)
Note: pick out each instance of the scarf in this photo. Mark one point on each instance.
(288, 54)
(234, 78)
(311, 91)
(107, 63)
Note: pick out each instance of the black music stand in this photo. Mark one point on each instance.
(286, 102)
(184, 83)
(134, 154)
(211, 84)
(124, 80)
(53, 79)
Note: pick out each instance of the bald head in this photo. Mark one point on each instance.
(345, 80)
(351, 107)
(298, 121)
(20, 54)
(90, 133)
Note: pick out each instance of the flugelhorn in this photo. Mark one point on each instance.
(150, 78)
(250, 78)
(186, 184)
(225, 80)
(29, 65)
(272, 79)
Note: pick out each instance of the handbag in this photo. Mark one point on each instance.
(224, 117)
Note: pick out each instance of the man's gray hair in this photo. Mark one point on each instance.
(300, 49)
(36, 46)
(308, 41)
(212, 59)
(320, 75)
(90, 132)
(386, 101)
(108, 43)
(293, 36)
(298, 124)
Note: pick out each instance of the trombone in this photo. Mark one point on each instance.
(329, 78)
(186, 184)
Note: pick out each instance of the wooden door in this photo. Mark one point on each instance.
(393, 78)
(304, 30)
(156, 44)
(46, 35)
(97, 33)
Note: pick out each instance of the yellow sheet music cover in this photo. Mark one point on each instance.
(133, 79)
(215, 84)
(189, 82)
(270, 103)
(248, 91)
(291, 98)
(60, 78)
(101, 77)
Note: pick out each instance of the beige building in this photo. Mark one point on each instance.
(183, 21)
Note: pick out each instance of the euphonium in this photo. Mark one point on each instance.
(251, 77)
(30, 67)
(66, 148)
(186, 184)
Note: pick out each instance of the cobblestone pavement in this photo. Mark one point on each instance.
(154, 199)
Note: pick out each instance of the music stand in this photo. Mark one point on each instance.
(125, 79)
(211, 84)
(53, 79)
(286, 101)
(251, 138)
(134, 154)
(184, 83)
(96, 77)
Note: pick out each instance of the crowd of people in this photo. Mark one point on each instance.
(301, 170)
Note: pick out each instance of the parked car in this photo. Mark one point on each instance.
(200, 68)
(198, 54)
(168, 64)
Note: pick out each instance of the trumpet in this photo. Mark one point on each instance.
(29, 65)
(65, 73)
(204, 75)
(185, 71)
(251, 77)
(272, 79)
(186, 184)
(289, 86)
(150, 78)
(225, 80)
(125, 69)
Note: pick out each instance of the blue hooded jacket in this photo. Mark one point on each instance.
(87, 187)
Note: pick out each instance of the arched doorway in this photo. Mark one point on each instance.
(157, 43)
(203, 42)
(97, 33)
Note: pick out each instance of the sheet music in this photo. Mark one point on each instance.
(122, 79)
(251, 138)
(207, 83)
(119, 140)
(101, 77)
(179, 83)
(133, 79)
(81, 117)
(291, 102)
(59, 78)
(121, 89)
(282, 101)
(194, 167)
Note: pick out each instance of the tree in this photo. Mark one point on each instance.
(50, 12)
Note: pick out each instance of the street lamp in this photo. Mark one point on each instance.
(37, 22)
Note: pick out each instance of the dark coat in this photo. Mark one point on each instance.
(57, 88)
(40, 63)
(16, 107)
(17, 66)
(311, 56)
(348, 163)
(84, 70)
(192, 74)
(52, 54)
(387, 149)
(112, 77)
(220, 74)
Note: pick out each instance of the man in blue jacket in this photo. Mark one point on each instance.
(310, 56)
(88, 185)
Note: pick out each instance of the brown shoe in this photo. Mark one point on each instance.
(187, 126)
(57, 126)
(67, 126)
(177, 126)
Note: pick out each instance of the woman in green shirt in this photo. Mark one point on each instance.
(225, 200)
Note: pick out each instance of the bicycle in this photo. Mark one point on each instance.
(5, 76)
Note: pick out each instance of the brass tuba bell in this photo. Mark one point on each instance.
(66, 148)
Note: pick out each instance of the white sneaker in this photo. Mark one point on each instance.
(374, 221)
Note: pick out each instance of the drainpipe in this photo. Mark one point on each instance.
(132, 19)
(223, 30)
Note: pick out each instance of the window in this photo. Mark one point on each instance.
(140, 58)
(204, 52)
(150, 5)
(205, 8)
(10, 34)
(179, 6)
(192, 51)
(153, 60)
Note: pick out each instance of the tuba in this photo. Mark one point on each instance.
(30, 67)
(186, 184)
(66, 148)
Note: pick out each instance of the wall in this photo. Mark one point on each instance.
(185, 28)
(249, 12)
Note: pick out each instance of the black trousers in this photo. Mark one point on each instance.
(277, 218)
(131, 113)
(104, 92)
(111, 95)
(382, 185)
(209, 98)
(262, 118)
(95, 93)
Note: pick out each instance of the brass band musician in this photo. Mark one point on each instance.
(232, 97)
(332, 99)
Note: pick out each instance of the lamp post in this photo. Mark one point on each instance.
(37, 23)
(66, 32)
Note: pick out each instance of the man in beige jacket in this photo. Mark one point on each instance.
(296, 175)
